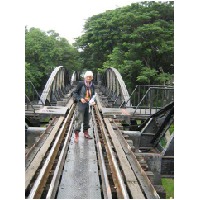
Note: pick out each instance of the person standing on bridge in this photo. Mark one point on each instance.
(83, 94)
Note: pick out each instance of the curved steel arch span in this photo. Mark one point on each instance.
(115, 85)
(55, 85)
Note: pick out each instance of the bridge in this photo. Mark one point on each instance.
(131, 150)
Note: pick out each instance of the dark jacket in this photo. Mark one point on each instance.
(80, 93)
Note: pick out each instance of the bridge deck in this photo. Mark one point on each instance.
(109, 112)
(80, 178)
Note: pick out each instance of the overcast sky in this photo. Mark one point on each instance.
(66, 17)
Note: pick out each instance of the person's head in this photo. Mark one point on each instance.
(88, 76)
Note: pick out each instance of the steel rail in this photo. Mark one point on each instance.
(40, 182)
(130, 178)
(58, 170)
(105, 183)
(33, 167)
(116, 173)
(146, 184)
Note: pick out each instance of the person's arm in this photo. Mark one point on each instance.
(76, 93)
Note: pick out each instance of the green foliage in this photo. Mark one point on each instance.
(32, 74)
(168, 184)
(135, 39)
(129, 39)
(143, 79)
(44, 52)
(146, 75)
(163, 77)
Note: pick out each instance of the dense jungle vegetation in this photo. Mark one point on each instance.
(44, 52)
(138, 40)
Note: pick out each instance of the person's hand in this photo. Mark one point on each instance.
(92, 103)
(83, 100)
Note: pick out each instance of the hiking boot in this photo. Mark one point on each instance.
(76, 136)
(86, 134)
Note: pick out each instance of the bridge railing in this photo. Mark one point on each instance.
(138, 93)
(28, 104)
(31, 93)
(154, 99)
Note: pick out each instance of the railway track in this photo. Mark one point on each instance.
(52, 168)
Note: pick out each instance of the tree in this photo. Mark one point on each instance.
(146, 76)
(129, 39)
(44, 52)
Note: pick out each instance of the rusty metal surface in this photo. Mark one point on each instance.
(144, 181)
(30, 172)
(116, 173)
(130, 177)
(58, 170)
(39, 184)
(107, 194)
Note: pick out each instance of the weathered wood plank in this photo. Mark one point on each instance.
(129, 175)
(30, 172)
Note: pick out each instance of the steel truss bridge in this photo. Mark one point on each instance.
(131, 150)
